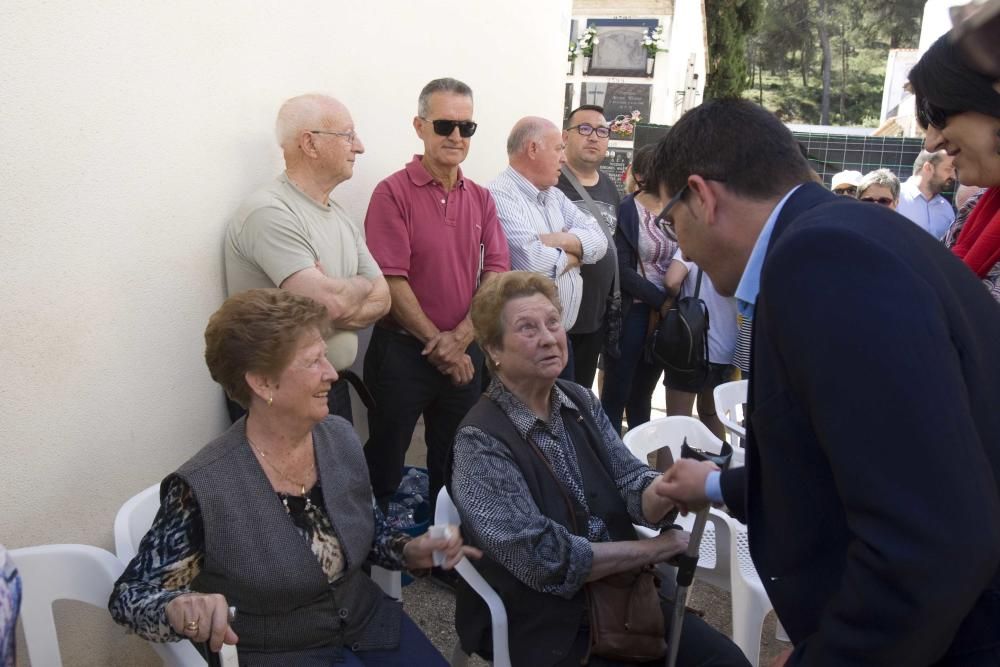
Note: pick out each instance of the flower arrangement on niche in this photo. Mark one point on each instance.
(652, 41)
(624, 125)
(588, 40)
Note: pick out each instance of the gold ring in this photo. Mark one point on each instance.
(191, 626)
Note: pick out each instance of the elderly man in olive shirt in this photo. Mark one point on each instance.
(291, 235)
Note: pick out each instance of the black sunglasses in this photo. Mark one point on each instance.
(883, 201)
(466, 128)
(849, 191)
(930, 115)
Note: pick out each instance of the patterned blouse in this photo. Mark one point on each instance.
(172, 552)
(10, 602)
(655, 249)
(502, 518)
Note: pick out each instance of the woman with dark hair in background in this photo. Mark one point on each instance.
(960, 110)
(644, 255)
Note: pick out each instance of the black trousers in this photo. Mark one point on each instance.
(586, 350)
(405, 386)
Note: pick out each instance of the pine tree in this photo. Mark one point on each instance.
(730, 22)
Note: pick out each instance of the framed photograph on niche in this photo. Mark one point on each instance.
(619, 51)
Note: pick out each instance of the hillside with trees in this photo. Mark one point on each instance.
(809, 61)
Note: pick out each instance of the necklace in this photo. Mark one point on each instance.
(275, 468)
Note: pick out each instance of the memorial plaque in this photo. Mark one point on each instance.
(618, 99)
(567, 102)
(615, 164)
(619, 51)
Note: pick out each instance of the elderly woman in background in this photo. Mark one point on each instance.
(546, 488)
(959, 108)
(276, 515)
(880, 187)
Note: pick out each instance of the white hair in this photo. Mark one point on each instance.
(299, 114)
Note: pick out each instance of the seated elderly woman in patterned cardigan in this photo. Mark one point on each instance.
(548, 490)
(276, 515)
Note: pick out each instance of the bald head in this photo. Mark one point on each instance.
(535, 150)
(526, 130)
(303, 113)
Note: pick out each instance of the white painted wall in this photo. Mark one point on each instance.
(129, 132)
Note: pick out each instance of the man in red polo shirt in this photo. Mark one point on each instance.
(436, 237)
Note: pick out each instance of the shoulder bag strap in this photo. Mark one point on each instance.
(594, 211)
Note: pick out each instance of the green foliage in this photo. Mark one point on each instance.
(730, 22)
(785, 59)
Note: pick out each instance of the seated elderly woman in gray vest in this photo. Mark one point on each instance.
(547, 489)
(276, 515)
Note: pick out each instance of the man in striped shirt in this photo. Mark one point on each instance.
(546, 232)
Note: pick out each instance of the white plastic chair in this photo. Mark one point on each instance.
(59, 572)
(446, 513)
(730, 398)
(132, 522)
(727, 563)
(713, 555)
(750, 601)
(730, 405)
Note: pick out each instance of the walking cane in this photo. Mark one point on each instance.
(687, 562)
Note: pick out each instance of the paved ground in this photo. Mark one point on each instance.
(433, 608)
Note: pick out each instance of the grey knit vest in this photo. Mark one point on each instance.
(258, 560)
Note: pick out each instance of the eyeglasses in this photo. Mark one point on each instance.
(663, 217)
(849, 191)
(881, 201)
(586, 129)
(350, 135)
(466, 128)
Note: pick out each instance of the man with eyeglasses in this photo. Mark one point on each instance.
(546, 232)
(920, 197)
(870, 489)
(586, 139)
(291, 234)
(436, 236)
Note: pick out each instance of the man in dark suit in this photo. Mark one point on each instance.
(873, 455)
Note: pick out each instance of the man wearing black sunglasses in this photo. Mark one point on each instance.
(870, 489)
(436, 237)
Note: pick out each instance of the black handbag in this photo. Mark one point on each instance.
(679, 343)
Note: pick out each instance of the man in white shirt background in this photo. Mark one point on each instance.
(920, 197)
